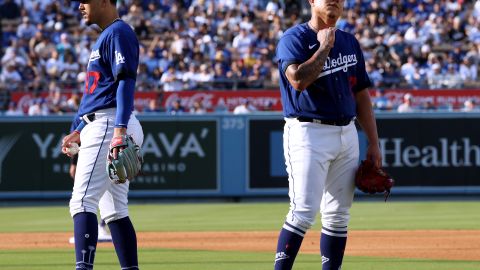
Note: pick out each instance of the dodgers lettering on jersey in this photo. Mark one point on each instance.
(331, 96)
(114, 55)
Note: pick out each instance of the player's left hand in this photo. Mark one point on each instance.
(117, 132)
(374, 155)
(127, 162)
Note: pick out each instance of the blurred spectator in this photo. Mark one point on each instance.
(171, 80)
(143, 81)
(221, 107)
(38, 108)
(408, 69)
(190, 78)
(15, 55)
(374, 74)
(242, 42)
(176, 107)
(391, 77)
(231, 44)
(54, 66)
(244, 108)
(197, 108)
(255, 79)
(406, 106)
(428, 106)
(268, 106)
(56, 102)
(435, 77)
(469, 106)
(452, 78)
(153, 106)
(69, 71)
(13, 110)
(205, 77)
(236, 75)
(468, 70)
(381, 102)
(220, 77)
(26, 30)
(73, 102)
(10, 78)
(44, 48)
(65, 47)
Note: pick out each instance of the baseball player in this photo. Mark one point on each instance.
(323, 87)
(106, 117)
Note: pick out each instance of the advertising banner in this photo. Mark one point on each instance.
(31, 157)
(268, 100)
(416, 152)
(263, 100)
(266, 161)
(178, 156)
(431, 152)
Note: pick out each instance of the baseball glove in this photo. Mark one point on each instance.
(128, 162)
(370, 179)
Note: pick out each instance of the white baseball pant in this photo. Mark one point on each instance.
(321, 163)
(91, 179)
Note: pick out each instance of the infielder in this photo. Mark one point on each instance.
(323, 86)
(106, 113)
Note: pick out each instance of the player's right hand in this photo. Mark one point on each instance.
(73, 137)
(326, 37)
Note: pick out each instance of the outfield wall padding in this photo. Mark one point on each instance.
(225, 155)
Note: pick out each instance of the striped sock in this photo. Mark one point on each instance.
(332, 247)
(289, 242)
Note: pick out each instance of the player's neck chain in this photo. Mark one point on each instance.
(311, 26)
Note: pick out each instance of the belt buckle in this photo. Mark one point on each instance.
(88, 118)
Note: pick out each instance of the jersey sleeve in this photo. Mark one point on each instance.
(363, 81)
(289, 51)
(123, 54)
(75, 122)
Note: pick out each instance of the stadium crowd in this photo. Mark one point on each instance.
(230, 44)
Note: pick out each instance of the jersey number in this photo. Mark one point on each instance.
(91, 75)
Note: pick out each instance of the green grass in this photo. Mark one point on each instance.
(254, 216)
(166, 259)
(237, 217)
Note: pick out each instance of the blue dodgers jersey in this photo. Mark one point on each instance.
(331, 96)
(115, 54)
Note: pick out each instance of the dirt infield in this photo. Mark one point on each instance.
(431, 244)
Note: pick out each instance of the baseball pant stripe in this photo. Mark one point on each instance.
(293, 230)
(334, 233)
(96, 158)
(291, 173)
